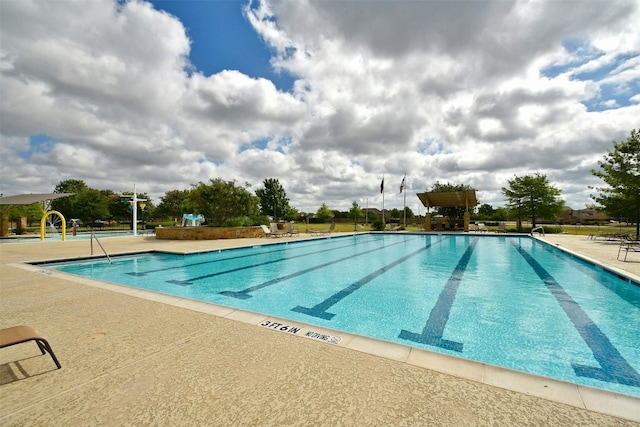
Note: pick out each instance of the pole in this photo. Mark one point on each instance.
(135, 211)
(382, 190)
(404, 180)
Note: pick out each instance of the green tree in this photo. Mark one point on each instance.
(620, 170)
(66, 205)
(324, 214)
(451, 212)
(220, 201)
(87, 204)
(273, 199)
(409, 212)
(118, 206)
(32, 212)
(486, 211)
(172, 204)
(500, 214)
(90, 205)
(532, 196)
(356, 212)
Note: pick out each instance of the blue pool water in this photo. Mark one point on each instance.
(507, 301)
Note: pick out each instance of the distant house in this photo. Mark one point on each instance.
(582, 215)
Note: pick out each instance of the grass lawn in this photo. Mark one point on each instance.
(581, 230)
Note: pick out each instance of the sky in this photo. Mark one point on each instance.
(328, 97)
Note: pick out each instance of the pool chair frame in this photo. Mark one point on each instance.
(20, 334)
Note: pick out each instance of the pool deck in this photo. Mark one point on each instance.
(131, 357)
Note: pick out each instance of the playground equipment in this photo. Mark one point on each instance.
(192, 220)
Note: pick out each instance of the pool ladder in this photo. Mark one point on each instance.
(93, 236)
(538, 229)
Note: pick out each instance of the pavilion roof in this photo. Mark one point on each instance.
(449, 199)
(28, 199)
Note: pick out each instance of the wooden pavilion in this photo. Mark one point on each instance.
(449, 199)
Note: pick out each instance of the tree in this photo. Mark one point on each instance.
(221, 200)
(273, 199)
(620, 170)
(32, 212)
(451, 212)
(408, 212)
(324, 214)
(532, 196)
(90, 205)
(172, 204)
(355, 212)
(87, 204)
(66, 205)
(486, 211)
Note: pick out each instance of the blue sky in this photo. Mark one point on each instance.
(223, 39)
(611, 95)
(466, 92)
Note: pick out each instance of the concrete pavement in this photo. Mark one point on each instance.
(130, 358)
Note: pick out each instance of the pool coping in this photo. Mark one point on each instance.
(580, 396)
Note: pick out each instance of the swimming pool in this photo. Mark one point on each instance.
(507, 301)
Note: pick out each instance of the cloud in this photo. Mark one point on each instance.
(465, 92)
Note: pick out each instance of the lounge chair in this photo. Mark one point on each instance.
(277, 233)
(328, 230)
(19, 334)
(482, 228)
(292, 229)
(265, 229)
(628, 245)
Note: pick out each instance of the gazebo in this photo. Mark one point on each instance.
(449, 199)
(29, 199)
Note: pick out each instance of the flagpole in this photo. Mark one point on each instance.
(405, 199)
(382, 191)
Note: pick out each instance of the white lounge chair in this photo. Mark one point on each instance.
(292, 229)
(265, 229)
(277, 233)
(327, 230)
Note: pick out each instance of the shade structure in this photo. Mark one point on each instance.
(28, 199)
(449, 199)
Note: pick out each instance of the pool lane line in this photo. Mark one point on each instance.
(284, 248)
(246, 267)
(244, 294)
(320, 309)
(439, 316)
(579, 265)
(614, 367)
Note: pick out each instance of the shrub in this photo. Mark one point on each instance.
(241, 221)
(377, 225)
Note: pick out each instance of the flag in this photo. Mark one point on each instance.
(382, 186)
(402, 185)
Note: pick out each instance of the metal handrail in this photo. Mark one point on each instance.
(537, 229)
(93, 236)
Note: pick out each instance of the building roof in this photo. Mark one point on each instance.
(449, 199)
(29, 199)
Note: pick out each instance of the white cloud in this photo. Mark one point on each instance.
(442, 91)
